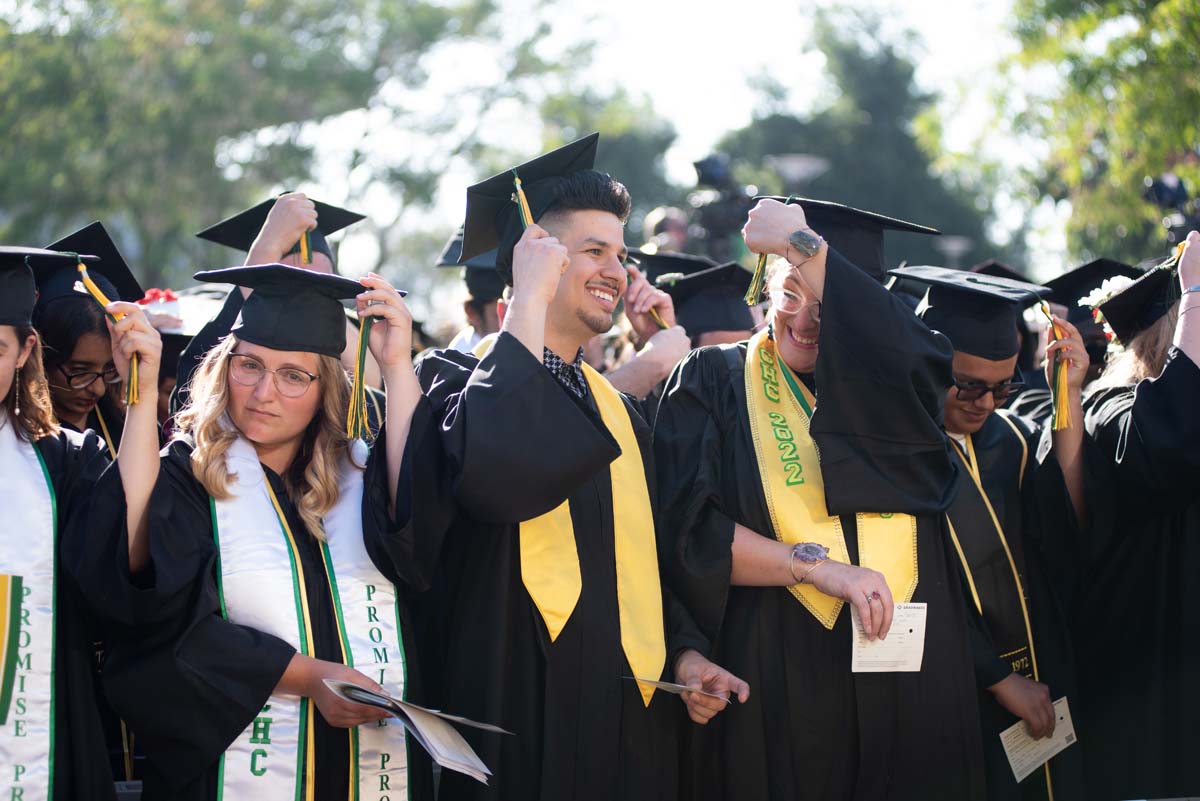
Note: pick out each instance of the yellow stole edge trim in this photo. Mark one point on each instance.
(310, 746)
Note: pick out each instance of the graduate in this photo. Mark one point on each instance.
(1136, 630)
(78, 359)
(1074, 291)
(52, 743)
(246, 583)
(709, 297)
(1011, 514)
(803, 473)
(484, 289)
(537, 476)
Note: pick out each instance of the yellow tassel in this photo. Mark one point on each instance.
(305, 249)
(754, 292)
(131, 388)
(1059, 390)
(522, 202)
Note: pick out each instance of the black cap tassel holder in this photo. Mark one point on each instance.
(131, 386)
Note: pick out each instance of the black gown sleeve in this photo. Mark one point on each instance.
(695, 534)
(517, 442)
(187, 680)
(407, 543)
(1152, 435)
(881, 383)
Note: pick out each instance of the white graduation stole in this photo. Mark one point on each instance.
(27, 620)
(262, 586)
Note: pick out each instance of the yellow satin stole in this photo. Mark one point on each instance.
(780, 409)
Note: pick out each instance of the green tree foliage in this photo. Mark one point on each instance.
(867, 137)
(1124, 105)
(159, 117)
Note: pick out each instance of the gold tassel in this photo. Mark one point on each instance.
(305, 249)
(357, 423)
(1059, 389)
(754, 292)
(131, 386)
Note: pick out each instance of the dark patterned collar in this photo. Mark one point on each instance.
(569, 375)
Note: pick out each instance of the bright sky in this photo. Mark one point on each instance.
(697, 62)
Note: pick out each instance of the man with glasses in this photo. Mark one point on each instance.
(1012, 509)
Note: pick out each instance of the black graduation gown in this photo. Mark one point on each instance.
(506, 442)
(1136, 622)
(812, 729)
(187, 681)
(81, 768)
(1026, 490)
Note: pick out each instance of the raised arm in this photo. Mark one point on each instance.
(138, 460)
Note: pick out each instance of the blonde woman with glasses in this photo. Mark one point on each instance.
(250, 584)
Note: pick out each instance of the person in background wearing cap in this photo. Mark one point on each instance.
(1068, 297)
(1137, 633)
(780, 517)
(77, 354)
(289, 229)
(537, 474)
(1012, 516)
(656, 351)
(51, 742)
(248, 582)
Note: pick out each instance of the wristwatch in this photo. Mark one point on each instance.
(806, 242)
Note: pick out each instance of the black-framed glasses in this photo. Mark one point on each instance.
(973, 390)
(292, 382)
(108, 375)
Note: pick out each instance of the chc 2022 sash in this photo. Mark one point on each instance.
(262, 587)
(780, 410)
(27, 620)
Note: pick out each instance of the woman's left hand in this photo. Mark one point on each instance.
(133, 334)
(391, 334)
(1069, 350)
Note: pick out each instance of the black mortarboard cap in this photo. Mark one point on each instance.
(854, 233)
(1000, 269)
(18, 288)
(710, 300)
(240, 230)
(492, 219)
(660, 263)
(979, 313)
(452, 255)
(290, 308)
(1143, 303)
(478, 273)
(1074, 285)
(57, 279)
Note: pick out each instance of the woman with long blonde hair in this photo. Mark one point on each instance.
(51, 740)
(250, 585)
(1137, 634)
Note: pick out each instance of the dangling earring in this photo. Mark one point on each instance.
(17, 394)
